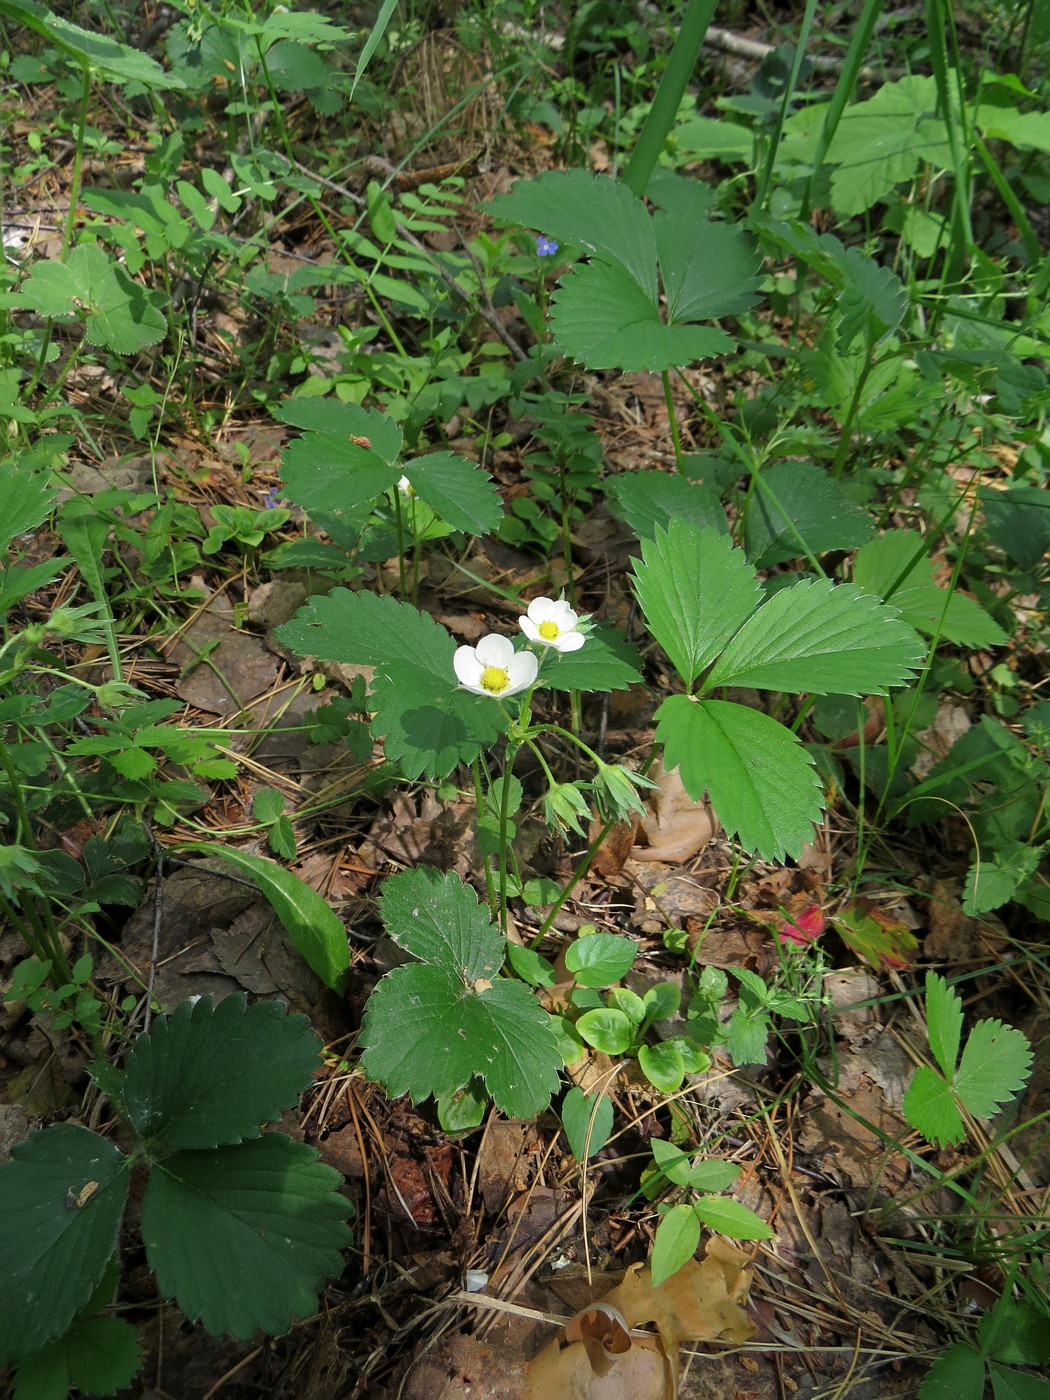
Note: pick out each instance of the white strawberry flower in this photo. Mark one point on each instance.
(552, 624)
(494, 668)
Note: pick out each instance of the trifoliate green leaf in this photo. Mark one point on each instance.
(429, 725)
(708, 270)
(820, 637)
(97, 1356)
(929, 1105)
(944, 1019)
(759, 778)
(243, 1237)
(428, 1031)
(606, 661)
(590, 211)
(345, 420)
(602, 319)
(459, 491)
(206, 1076)
(61, 1199)
(994, 1066)
(438, 919)
(730, 1218)
(608, 313)
(696, 591)
(119, 312)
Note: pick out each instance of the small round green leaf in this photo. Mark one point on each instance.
(662, 1065)
(606, 1030)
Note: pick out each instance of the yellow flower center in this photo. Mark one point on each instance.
(549, 631)
(494, 679)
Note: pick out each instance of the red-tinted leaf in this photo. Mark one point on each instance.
(878, 938)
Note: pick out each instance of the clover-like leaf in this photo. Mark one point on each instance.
(429, 725)
(591, 211)
(759, 778)
(119, 312)
(930, 1106)
(608, 312)
(696, 591)
(820, 637)
(428, 1031)
(209, 1075)
(244, 1236)
(61, 1199)
(944, 1019)
(603, 320)
(708, 270)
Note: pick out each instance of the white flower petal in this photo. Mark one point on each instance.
(495, 650)
(571, 641)
(522, 671)
(530, 629)
(467, 667)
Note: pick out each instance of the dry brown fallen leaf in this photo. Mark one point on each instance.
(679, 828)
(597, 1358)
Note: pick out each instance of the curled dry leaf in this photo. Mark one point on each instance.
(679, 828)
(598, 1358)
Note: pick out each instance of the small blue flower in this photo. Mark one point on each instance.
(545, 247)
(271, 499)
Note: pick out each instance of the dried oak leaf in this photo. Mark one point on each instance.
(598, 1358)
